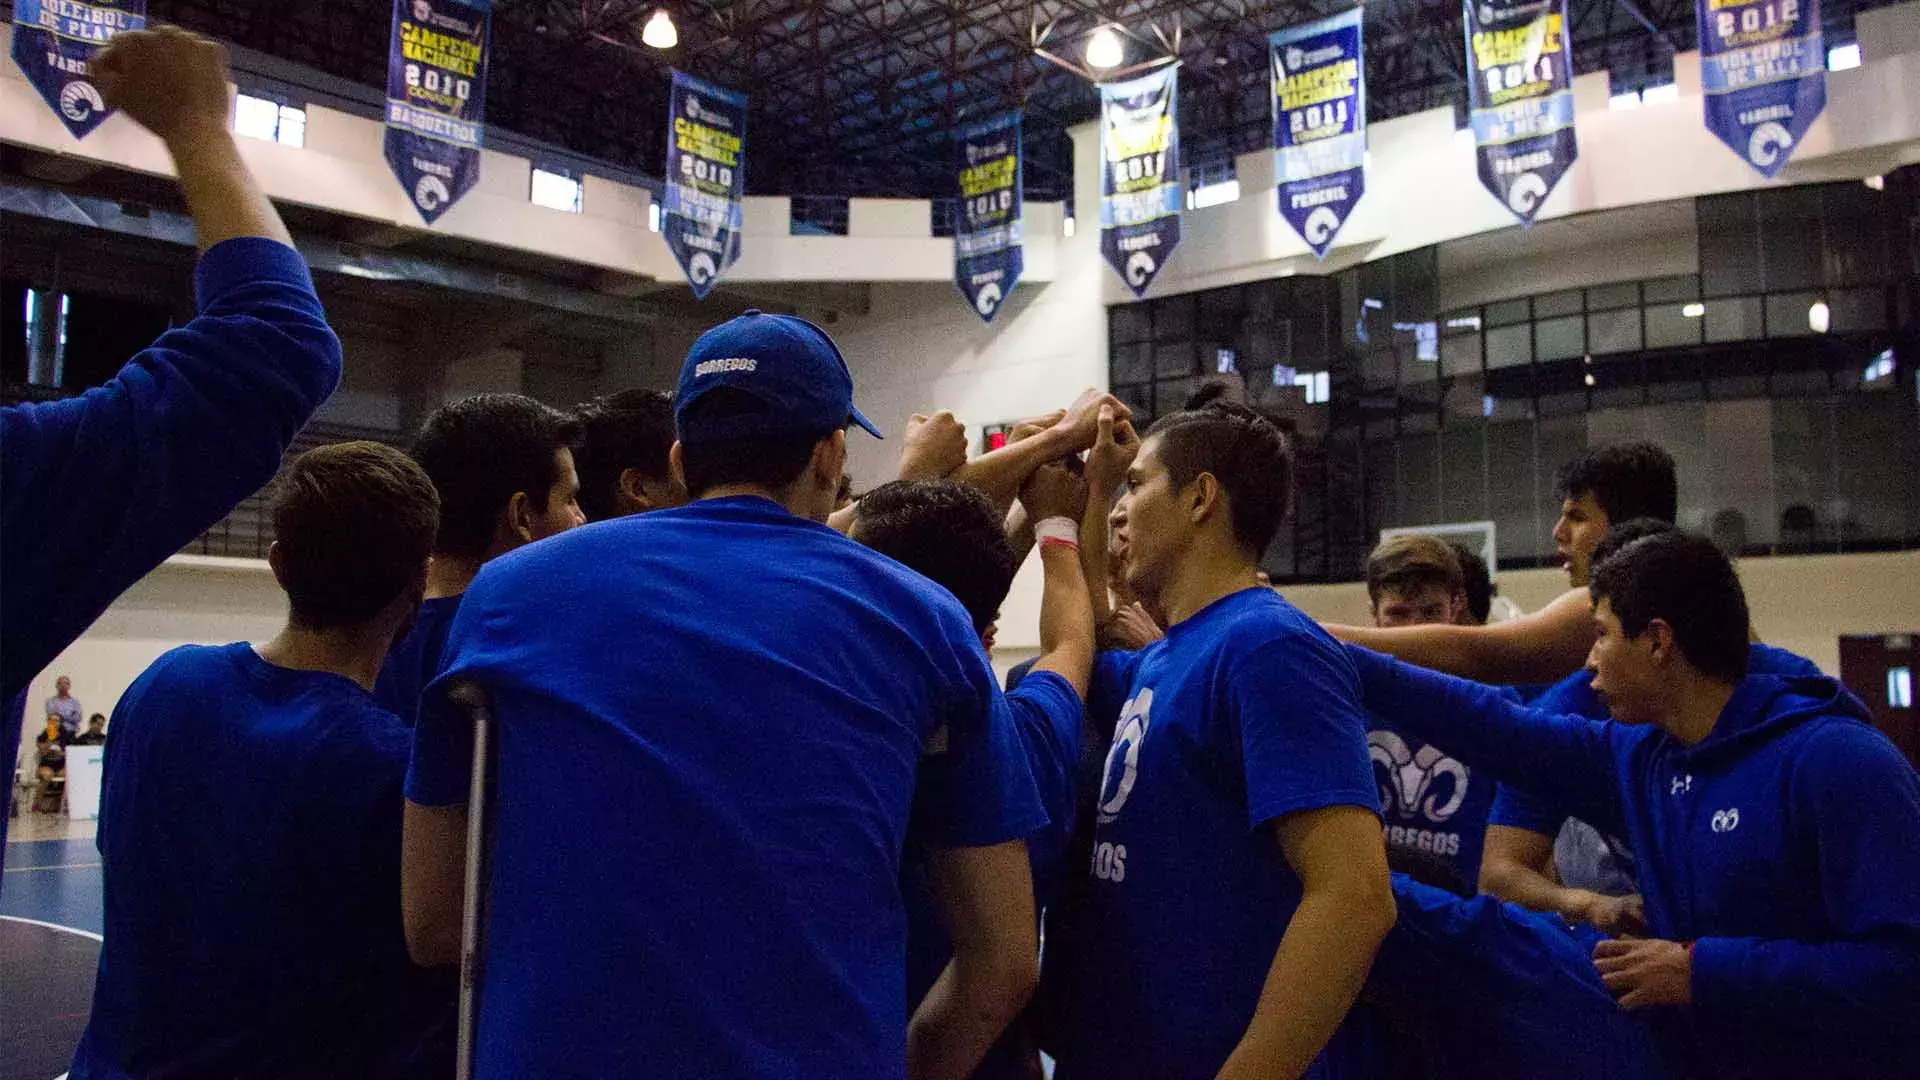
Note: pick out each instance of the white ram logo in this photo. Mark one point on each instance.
(1409, 783)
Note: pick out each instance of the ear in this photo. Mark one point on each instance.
(632, 486)
(520, 517)
(278, 563)
(1203, 497)
(1662, 648)
(830, 460)
(677, 464)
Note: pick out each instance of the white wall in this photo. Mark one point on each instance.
(188, 600)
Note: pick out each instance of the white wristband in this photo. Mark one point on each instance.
(1057, 528)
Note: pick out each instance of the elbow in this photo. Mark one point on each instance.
(1000, 985)
(1367, 907)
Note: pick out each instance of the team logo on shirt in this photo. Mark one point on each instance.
(1123, 760)
(1428, 783)
(1680, 785)
(1725, 821)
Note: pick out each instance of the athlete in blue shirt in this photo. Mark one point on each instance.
(625, 438)
(97, 490)
(503, 465)
(1782, 899)
(250, 822)
(713, 724)
(1238, 878)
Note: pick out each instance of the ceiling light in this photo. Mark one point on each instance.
(1694, 311)
(1876, 182)
(1819, 316)
(659, 32)
(1105, 49)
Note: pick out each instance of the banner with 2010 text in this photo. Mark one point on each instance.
(706, 179)
(436, 99)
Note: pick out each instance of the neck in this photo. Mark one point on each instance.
(354, 653)
(1202, 581)
(1698, 709)
(792, 500)
(451, 575)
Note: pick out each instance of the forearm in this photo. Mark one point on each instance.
(433, 881)
(1317, 973)
(1019, 533)
(1066, 618)
(221, 193)
(1000, 473)
(1093, 542)
(1540, 648)
(961, 1017)
(1518, 883)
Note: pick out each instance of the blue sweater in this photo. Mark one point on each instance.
(1782, 846)
(97, 490)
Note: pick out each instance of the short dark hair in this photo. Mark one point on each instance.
(355, 523)
(1408, 562)
(774, 462)
(1684, 581)
(944, 530)
(1476, 581)
(632, 429)
(1626, 532)
(1629, 480)
(102, 717)
(483, 450)
(1241, 449)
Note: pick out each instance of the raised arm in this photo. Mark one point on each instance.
(97, 490)
(1055, 499)
(1000, 473)
(1115, 445)
(1543, 647)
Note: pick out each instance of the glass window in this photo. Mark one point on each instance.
(1674, 377)
(1137, 398)
(556, 191)
(1671, 290)
(1130, 322)
(1172, 318)
(1792, 314)
(1730, 256)
(1853, 310)
(1132, 363)
(1507, 312)
(1734, 319)
(1560, 339)
(1604, 297)
(1560, 303)
(1856, 234)
(1613, 331)
(1172, 360)
(1509, 345)
(1790, 220)
(1463, 474)
(1460, 354)
(1671, 325)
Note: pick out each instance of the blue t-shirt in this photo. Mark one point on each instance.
(1048, 715)
(1434, 806)
(1585, 857)
(415, 659)
(250, 827)
(1245, 712)
(712, 722)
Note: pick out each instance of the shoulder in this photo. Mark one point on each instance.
(1845, 751)
(1269, 631)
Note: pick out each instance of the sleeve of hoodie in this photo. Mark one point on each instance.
(97, 490)
(1486, 727)
(1858, 800)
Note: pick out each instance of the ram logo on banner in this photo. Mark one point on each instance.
(1319, 125)
(1140, 175)
(436, 99)
(1520, 79)
(987, 229)
(706, 179)
(1763, 69)
(52, 42)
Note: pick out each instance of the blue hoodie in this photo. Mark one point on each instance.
(1780, 846)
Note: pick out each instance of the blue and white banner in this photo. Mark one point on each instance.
(706, 179)
(1520, 77)
(436, 99)
(988, 233)
(1319, 125)
(1140, 193)
(52, 42)
(1763, 70)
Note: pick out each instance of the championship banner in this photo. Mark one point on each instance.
(1319, 125)
(1520, 74)
(436, 99)
(52, 42)
(988, 233)
(1763, 70)
(1140, 175)
(706, 179)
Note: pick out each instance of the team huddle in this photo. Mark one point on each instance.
(759, 807)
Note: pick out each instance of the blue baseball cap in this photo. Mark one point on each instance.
(788, 364)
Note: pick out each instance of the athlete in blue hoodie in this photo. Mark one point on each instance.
(1782, 894)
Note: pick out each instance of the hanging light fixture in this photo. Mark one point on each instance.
(659, 32)
(1105, 49)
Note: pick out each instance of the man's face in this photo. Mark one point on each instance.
(1421, 605)
(61, 685)
(1148, 523)
(562, 511)
(1577, 534)
(1626, 674)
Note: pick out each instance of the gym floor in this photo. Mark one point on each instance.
(51, 915)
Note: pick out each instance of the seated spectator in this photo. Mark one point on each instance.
(51, 770)
(199, 420)
(96, 733)
(250, 822)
